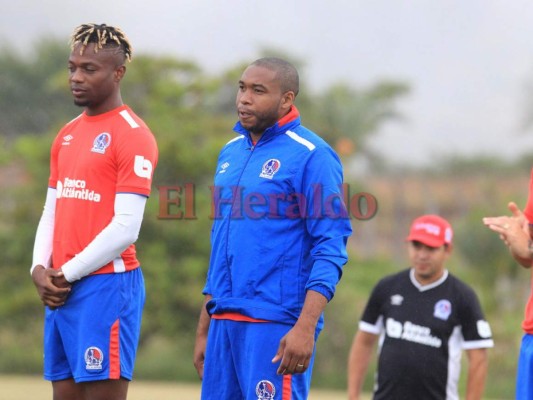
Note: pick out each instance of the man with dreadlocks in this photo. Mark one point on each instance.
(84, 265)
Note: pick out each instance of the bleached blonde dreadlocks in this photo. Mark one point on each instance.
(102, 36)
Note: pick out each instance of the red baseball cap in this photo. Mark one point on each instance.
(431, 230)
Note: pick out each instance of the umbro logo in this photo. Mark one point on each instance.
(223, 167)
(396, 300)
(67, 139)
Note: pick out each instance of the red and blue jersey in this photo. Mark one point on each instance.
(92, 159)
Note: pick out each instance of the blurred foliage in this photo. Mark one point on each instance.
(191, 115)
(31, 100)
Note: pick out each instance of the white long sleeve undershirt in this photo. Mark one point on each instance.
(122, 231)
(42, 248)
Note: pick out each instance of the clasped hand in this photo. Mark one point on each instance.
(51, 285)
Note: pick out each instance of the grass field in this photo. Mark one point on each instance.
(35, 388)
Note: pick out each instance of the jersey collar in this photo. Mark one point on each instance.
(289, 121)
(423, 288)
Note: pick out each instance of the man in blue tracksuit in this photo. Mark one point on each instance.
(278, 246)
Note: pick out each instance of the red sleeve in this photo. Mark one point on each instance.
(137, 158)
(54, 152)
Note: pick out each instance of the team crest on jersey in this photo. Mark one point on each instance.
(265, 390)
(270, 168)
(93, 358)
(443, 309)
(101, 143)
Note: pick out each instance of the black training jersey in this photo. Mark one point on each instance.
(423, 330)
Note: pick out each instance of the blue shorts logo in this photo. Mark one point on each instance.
(265, 390)
(270, 168)
(93, 358)
(101, 143)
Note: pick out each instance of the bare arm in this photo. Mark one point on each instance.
(358, 361)
(514, 231)
(297, 346)
(201, 338)
(477, 372)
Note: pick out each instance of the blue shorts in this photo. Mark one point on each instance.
(238, 363)
(524, 378)
(94, 336)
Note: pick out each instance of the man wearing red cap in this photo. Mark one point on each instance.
(424, 317)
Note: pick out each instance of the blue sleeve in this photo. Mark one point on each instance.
(327, 220)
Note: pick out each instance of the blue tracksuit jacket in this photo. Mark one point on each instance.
(280, 225)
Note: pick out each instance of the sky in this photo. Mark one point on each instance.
(469, 63)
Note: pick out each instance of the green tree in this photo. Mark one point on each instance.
(343, 114)
(33, 90)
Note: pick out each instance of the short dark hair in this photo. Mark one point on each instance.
(286, 72)
(102, 36)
